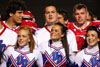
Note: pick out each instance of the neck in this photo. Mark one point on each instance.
(81, 26)
(11, 23)
(1, 26)
(50, 24)
(90, 47)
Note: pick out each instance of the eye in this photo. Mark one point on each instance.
(24, 36)
(82, 13)
(93, 35)
(87, 35)
(47, 12)
(56, 30)
(76, 14)
(53, 11)
(19, 35)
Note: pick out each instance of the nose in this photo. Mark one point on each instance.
(20, 38)
(79, 15)
(22, 14)
(50, 14)
(90, 37)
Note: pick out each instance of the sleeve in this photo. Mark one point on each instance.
(35, 39)
(5, 58)
(79, 58)
(40, 60)
(72, 41)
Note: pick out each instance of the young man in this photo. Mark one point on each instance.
(15, 13)
(79, 27)
(50, 18)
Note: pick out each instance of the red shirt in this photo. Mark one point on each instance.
(80, 33)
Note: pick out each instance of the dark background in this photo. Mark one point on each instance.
(37, 7)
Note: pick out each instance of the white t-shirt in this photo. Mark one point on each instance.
(7, 37)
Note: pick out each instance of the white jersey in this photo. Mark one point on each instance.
(21, 57)
(88, 57)
(43, 35)
(7, 37)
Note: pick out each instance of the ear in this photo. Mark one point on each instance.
(98, 39)
(29, 40)
(11, 14)
(62, 35)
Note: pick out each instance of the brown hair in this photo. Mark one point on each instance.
(32, 42)
(79, 6)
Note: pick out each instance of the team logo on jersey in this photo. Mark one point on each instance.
(94, 62)
(2, 46)
(57, 57)
(22, 60)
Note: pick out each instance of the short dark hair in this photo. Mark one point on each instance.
(64, 13)
(15, 5)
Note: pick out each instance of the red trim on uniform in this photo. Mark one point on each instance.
(47, 29)
(56, 65)
(13, 62)
(2, 31)
(86, 64)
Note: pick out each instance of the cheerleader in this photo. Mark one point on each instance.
(57, 53)
(89, 56)
(23, 54)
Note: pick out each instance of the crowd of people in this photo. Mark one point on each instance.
(59, 43)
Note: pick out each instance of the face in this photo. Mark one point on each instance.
(80, 16)
(60, 18)
(92, 38)
(18, 16)
(23, 38)
(50, 14)
(56, 33)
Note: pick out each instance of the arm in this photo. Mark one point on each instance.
(79, 58)
(40, 60)
(5, 58)
(72, 42)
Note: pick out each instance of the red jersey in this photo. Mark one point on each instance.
(29, 23)
(80, 33)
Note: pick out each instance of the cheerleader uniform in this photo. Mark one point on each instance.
(21, 57)
(54, 55)
(88, 57)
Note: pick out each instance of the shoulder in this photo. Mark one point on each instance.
(9, 48)
(70, 33)
(70, 23)
(40, 30)
(10, 31)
